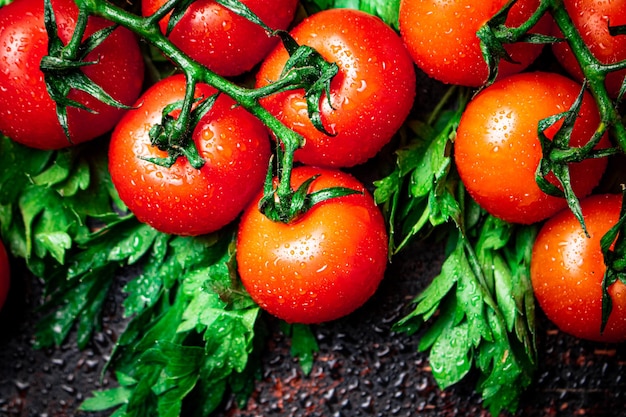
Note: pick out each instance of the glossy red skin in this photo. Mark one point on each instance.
(183, 200)
(371, 95)
(324, 265)
(226, 43)
(441, 37)
(5, 275)
(592, 18)
(567, 270)
(27, 113)
(497, 149)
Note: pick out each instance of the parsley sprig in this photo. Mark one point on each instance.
(477, 315)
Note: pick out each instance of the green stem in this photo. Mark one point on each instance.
(515, 34)
(147, 28)
(594, 71)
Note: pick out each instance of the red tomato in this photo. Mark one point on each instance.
(497, 149)
(592, 19)
(370, 96)
(27, 113)
(5, 275)
(441, 37)
(182, 199)
(567, 270)
(223, 41)
(321, 266)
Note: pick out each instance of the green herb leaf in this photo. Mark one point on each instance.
(387, 10)
(303, 344)
(478, 312)
(416, 196)
(193, 329)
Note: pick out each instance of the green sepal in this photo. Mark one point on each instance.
(491, 46)
(495, 34)
(557, 154)
(314, 76)
(62, 67)
(174, 138)
(614, 259)
(299, 201)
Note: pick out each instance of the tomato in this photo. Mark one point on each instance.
(592, 18)
(223, 41)
(27, 113)
(497, 148)
(5, 275)
(567, 269)
(321, 266)
(369, 97)
(441, 37)
(181, 199)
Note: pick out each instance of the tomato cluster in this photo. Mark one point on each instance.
(501, 141)
(319, 265)
(192, 162)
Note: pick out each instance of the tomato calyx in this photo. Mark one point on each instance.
(314, 76)
(173, 134)
(282, 203)
(614, 259)
(494, 34)
(557, 155)
(62, 66)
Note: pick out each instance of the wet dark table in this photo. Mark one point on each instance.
(363, 368)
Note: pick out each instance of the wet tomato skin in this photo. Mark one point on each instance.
(370, 97)
(5, 275)
(497, 148)
(226, 43)
(441, 37)
(592, 19)
(27, 113)
(320, 267)
(181, 199)
(567, 270)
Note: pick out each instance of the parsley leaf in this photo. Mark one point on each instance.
(478, 312)
(387, 10)
(194, 335)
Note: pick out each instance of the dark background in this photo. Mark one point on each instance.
(362, 368)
